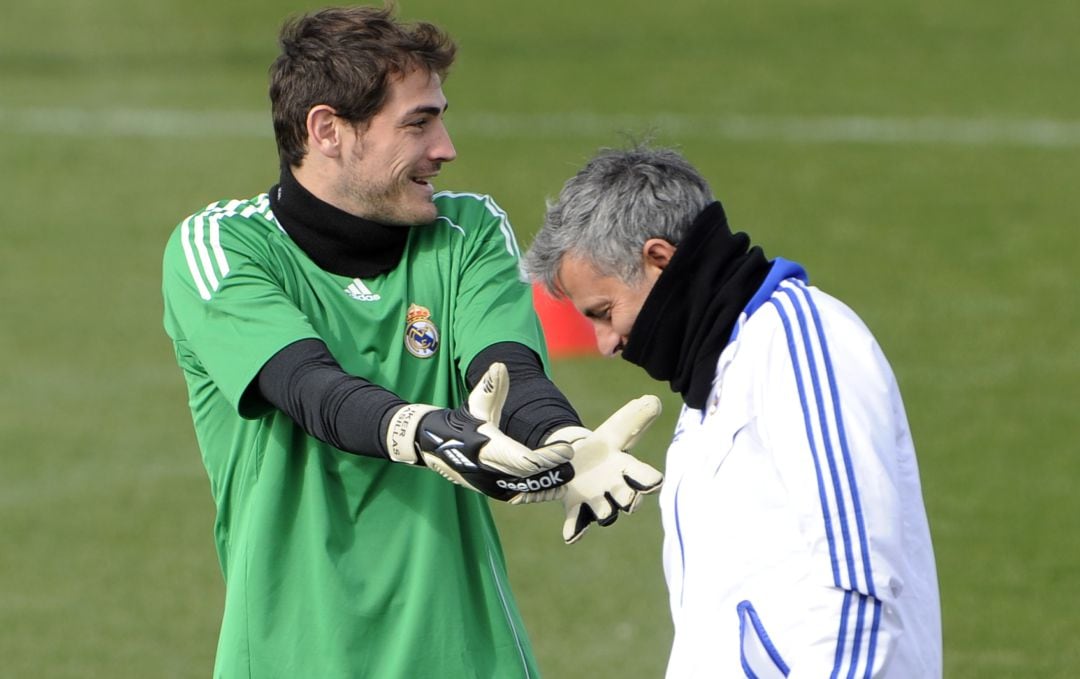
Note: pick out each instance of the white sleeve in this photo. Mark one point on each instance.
(830, 414)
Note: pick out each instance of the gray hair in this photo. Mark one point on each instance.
(606, 212)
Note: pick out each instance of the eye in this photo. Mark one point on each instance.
(599, 314)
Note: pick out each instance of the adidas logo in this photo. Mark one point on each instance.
(357, 290)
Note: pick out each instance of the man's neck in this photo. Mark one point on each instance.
(336, 240)
(319, 181)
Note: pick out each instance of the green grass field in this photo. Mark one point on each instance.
(921, 159)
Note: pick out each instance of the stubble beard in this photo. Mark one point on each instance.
(389, 204)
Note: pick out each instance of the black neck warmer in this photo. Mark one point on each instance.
(688, 317)
(335, 240)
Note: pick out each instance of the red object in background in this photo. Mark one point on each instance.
(567, 332)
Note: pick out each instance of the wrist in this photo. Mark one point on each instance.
(401, 433)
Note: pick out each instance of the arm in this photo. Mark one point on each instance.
(229, 316)
(305, 382)
(464, 445)
(829, 416)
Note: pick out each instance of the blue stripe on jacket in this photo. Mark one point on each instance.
(806, 331)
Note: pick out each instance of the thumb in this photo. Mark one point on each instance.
(625, 427)
(487, 397)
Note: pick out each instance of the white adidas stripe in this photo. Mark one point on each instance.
(215, 246)
(962, 131)
(204, 254)
(189, 255)
(200, 238)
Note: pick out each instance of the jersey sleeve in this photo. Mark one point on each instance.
(828, 413)
(224, 307)
(494, 298)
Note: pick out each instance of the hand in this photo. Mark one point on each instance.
(606, 478)
(466, 446)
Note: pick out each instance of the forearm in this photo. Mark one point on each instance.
(534, 406)
(305, 381)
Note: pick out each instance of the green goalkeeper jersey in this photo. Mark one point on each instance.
(339, 565)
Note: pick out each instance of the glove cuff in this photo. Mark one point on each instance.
(401, 433)
(567, 435)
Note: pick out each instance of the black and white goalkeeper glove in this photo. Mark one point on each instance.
(606, 479)
(466, 446)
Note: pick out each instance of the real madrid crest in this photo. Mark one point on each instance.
(421, 335)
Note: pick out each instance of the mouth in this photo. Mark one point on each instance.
(424, 180)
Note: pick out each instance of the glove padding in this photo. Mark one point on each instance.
(466, 446)
(606, 478)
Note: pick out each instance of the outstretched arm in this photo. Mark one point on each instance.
(464, 445)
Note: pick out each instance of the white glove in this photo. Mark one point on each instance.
(467, 447)
(606, 478)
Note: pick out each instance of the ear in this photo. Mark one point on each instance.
(324, 129)
(657, 252)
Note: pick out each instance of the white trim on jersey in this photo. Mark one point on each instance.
(506, 611)
(189, 255)
(451, 223)
(200, 238)
(494, 208)
(204, 253)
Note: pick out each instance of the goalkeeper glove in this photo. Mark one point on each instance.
(466, 446)
(606, 478)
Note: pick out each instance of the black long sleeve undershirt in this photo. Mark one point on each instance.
(348, 412)
(534, 407)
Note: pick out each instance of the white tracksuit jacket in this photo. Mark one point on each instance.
(796, 542)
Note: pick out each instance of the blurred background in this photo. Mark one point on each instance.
(920, 159)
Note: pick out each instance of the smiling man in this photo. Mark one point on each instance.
(346, 334)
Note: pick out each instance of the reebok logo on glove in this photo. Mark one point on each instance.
(533, 484)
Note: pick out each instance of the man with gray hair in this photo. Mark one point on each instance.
(796, 541)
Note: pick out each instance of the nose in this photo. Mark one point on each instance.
(609, 342)
(443, 150)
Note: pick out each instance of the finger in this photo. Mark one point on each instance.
(552, 455)
(627, 424)
(642, 477)
(578, 519)
(612, 512)
(487, 397)
(604, 509)
(510, 457)
(548, 495)
(623, 496)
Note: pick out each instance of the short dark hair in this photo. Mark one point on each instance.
(345, 57)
